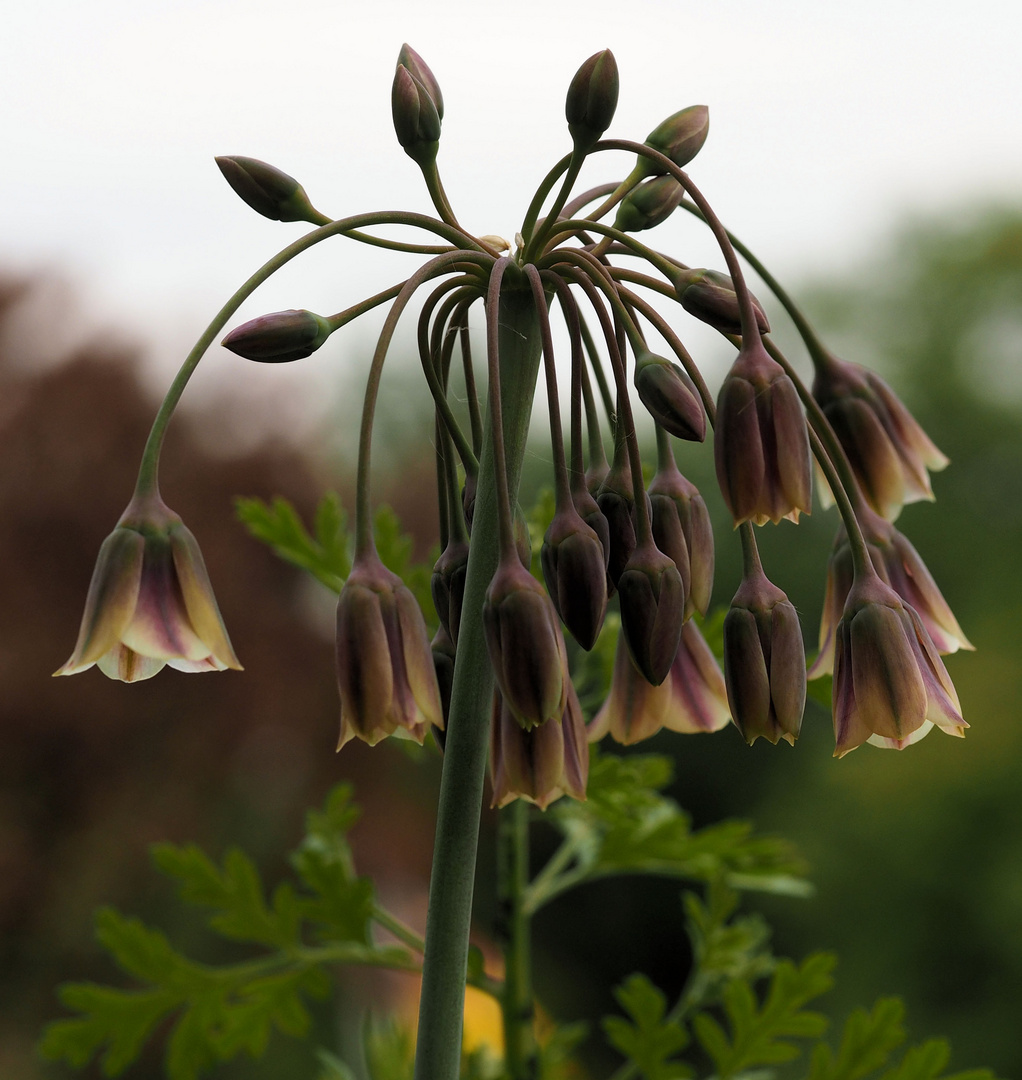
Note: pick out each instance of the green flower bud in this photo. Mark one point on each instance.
(592, 99)
(280, 337)
(683, 532)
(416, 119)
(652, 611)
(523, 636)
(761, 444)
(385, 668)
(670, 397)
(710, 296)
(575, 570)
(764, 662)
(680, 137)
(269, 191)
(649, 204)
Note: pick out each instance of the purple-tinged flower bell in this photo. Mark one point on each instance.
(889, 452)
(692, 700)
(899, 565)
(890, 685)
(652, 610)
(575, 570)
(680, 137)
(651, 203)
(150, 602)
(761, 444)
(592, 100)
(670, 397)
(764, 662)
(539, 765)
(710, 296)
(682, 531)
(268, 190)
(385, 670)
(526, 647)
(280, 337)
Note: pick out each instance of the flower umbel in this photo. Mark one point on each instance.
(150, 602)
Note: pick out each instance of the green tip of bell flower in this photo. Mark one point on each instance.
(764, 662)
(280, 337)
(651, 203)
(710, 296)
(150, 602)
(670, 397)
(416, 118)
(592, 100)
(680, 137)
(268, 190)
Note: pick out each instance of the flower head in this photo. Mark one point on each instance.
(890, 685)
(899, 565)
(764, 662)
(888, 450)
(385, 669)
(150, 602)
(761, 445)
(692, 699)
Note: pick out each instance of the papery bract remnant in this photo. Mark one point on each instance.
(150, 602)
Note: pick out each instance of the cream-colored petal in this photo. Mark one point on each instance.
(128, 666)
(199, 601)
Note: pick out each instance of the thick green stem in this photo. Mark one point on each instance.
(513, 932)
(438, 1053)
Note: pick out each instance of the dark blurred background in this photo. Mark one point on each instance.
(917, 856)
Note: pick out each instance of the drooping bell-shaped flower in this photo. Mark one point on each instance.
(900, 566)
(447, 585)
(385, 669)
(150, 602)
(692, 700)
(889, 452)
(764, 661)
(540, 765)
(670, 397)
(890, 685)
(710, 296)
(761, 444)
(652, 598)
(575, 570)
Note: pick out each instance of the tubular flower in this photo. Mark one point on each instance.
(692, 699)
(150, 602)
(890, 685)
(888, 450)
(385, 670)
(764, 662)
(540, 765)
(899, 565)
(761, 445)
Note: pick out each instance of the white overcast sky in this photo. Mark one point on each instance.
(828, 122)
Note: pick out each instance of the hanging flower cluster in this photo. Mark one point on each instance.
(613, 538)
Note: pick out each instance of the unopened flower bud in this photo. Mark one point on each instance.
(150, 602)
(764, 662)
(889, 452)
(899, 565)
(280, 337)
(710, 296)
(444, 655)
(575, 570)
(385, 669)
(550, 760)
(682, 531)
(616, 500)
(523, 636)
(267, 190)
(410, 59)
(588, 509)
(592, 99)
(652, 611)
(447, 585)
(761, 444)
(890, 685)
(670, 397)
(680, 137)
(416, 119)
(649, 204)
